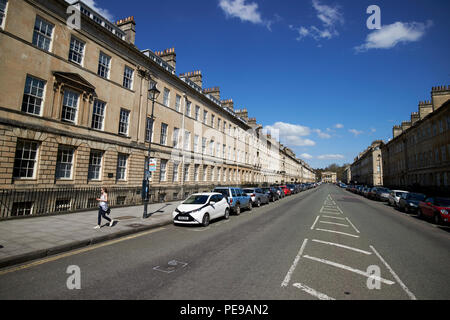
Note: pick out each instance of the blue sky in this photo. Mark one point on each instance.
(310, 68)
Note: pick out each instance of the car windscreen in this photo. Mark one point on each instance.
(442, 202)
(248, 191)
(416, 196)
(196, 200)
(399, 194)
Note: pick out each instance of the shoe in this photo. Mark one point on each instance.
(97, 227)
(111, 223)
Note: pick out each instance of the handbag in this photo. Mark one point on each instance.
(108, 212)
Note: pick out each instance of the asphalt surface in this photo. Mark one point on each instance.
(324, 243)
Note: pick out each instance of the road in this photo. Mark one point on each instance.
(324, 243)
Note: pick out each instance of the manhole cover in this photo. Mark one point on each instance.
(171, 266)
(124, 218)
(136, 225)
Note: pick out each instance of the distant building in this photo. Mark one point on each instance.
(329, 177)
(367, 169)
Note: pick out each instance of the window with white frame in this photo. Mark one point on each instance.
(128, 74)
(205, 117)
(186, 172)
(104, 63)
(70, 106)
(187, 140)
(212, 120)
(196, 172)
(33, 95)
(178, 103)
(197, 113)
(98, 114)
(42, 35)
(163, 139)
(205, 173)
(163, 170)
(149, 130)
(175, 137)
(176, 166)
(219, 122)
(76, 51)
(218, 150)
(64, 162)
(122, 160)
(211, 148)
(224, 151)
(95, 165)
(25, 159)
(166, 97)
(188, 108)
(203, 145)
(213, 173)
(3, 4)
(196, 141)
(124, 121)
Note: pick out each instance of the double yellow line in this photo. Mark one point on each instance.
(79, 251)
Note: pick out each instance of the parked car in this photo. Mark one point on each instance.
(409, 202)
(272, 193)
(366, 191)
(382, 194)
(372, 193)
(237, 199)
(292, 188)
(436, 208)
(201, 208)
(280, 192)
(258, 196)
(286, 190)
(394, 197)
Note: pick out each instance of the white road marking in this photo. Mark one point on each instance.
(344, 247)
(352, 225)
(328, 211)
(336, 224)
(404, 287)
(344, 267)
(317, 219)
(285, 283)
(333, 217)
(343, 233)
(312, 292)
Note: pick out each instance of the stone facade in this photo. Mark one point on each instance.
(329, 177)
(418, 156)
(367, 169)
(75, 112)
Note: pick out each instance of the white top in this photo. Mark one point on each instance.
(103, 203)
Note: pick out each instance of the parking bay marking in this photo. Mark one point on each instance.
(337, 218)
(311, 291)
(338, 232)
(287, 279)
(336, 224)
(344, 267)
(343, 246)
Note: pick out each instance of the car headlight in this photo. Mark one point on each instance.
(444, 212)
(413, 205)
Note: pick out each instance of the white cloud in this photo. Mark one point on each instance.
(330, 18)
(339, 126)
(355, 132)
(331, 157)
(306, 156)
(247, 12)
(91, 3)
(389, 36)
(291, 134)
(321, 134)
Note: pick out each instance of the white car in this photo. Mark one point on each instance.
(394, 197)
(201, 208)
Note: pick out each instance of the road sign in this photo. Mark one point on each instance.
(152, 165)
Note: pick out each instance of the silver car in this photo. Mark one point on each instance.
(394, 197)
(258, 196)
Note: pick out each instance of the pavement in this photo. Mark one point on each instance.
(23, 240)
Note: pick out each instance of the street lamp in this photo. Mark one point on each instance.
(153, 94)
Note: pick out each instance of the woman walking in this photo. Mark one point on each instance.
(103, 209)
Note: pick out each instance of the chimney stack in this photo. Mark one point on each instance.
(414, 117)
(243, 114)
(128, 25)
(229, 104)
(397, 130)
(168, 56)
(425, 108)
(406, 125)
(439, 96)
(215, 92)
(195, 76)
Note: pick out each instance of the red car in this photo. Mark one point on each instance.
(287, 191)
(436, 208)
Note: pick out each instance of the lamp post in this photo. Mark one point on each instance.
(153, 94)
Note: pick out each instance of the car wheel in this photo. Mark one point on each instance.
(250, 206)
(437, 219)
(227, 214)
(258, 203)
(420, 214)
(238, 209)
(205, 221)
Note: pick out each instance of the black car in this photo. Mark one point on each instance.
(272, 193)
(292, 188)
(409, 202)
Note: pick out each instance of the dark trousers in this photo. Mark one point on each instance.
(102, 214)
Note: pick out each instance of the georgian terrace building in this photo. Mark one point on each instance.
(367, 169)
(418, 156)
(75, 113)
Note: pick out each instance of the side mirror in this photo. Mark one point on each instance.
(212, 202)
